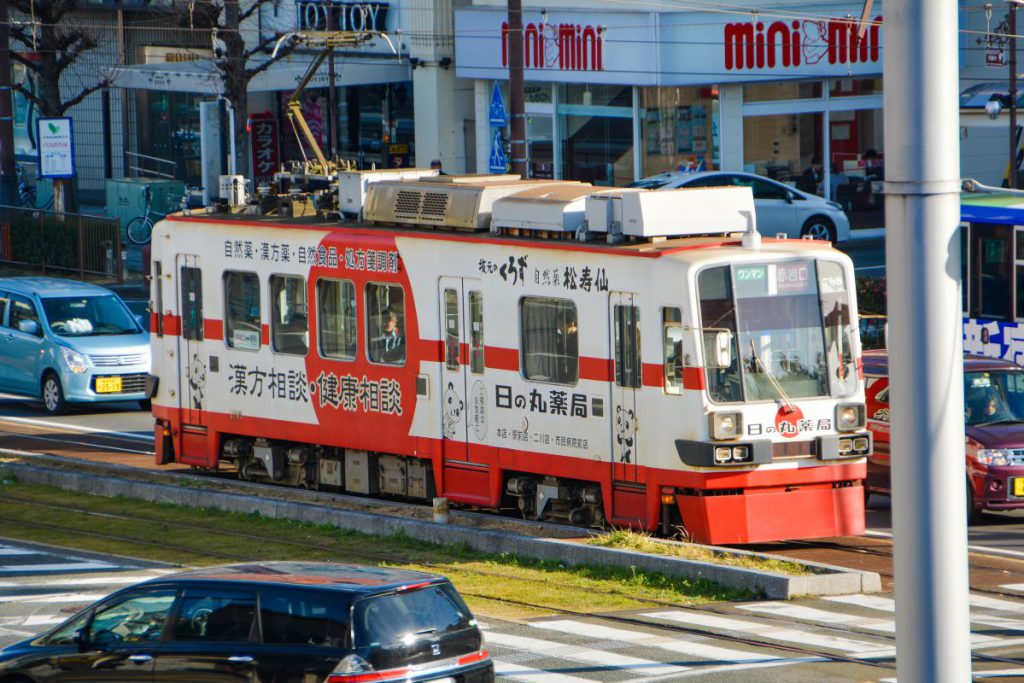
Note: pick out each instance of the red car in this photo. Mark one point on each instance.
(994, 415)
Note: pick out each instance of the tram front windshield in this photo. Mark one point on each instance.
(790, 330)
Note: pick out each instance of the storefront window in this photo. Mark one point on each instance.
(170, 131)
(851, 87)
(782, 90)
(596, 131)
(857, 165)
(679, 129)
(782, 146)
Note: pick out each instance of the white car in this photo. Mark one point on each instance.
(780, 208)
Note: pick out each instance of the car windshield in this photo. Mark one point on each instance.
(993, 397)
(790, 326)
(87, 316)
(649, 183)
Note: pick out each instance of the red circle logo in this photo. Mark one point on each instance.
(787, 420)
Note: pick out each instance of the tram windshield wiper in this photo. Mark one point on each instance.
(771, 378)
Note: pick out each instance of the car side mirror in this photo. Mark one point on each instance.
(81, 639)
(790, 197)
(28, 327)
(720, 355)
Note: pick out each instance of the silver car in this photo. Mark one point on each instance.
(779, 207)
(70, 342)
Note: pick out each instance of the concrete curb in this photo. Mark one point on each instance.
(825, 579)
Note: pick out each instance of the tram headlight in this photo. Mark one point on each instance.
(849, 417)
(74, 360)
(726, 425)
(723, 455)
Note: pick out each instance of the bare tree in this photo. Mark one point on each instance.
(240, 53)
(56, 45)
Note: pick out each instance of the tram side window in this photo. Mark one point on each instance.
(336, 318)
(550, 343)
(242, 310)
(991, 257)
(476, 332)
(627, 346)
(158, 298)
(385, 318)
(451, 329)
(718, 312)
(289, 323)
(672, 341)
(192, 308)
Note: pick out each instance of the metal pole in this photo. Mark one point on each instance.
(516, 94)
(1012, 180)
(922, 209)
(8, 182)
(332, 92)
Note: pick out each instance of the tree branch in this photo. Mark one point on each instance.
(29, 95)
(82, 95)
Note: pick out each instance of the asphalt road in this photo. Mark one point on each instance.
(842, 638)
(868, 255)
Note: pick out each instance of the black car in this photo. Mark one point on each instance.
(284, 622)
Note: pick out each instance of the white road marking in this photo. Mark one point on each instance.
(586, 655)
(78, 428)
(998, 673)
(889, 605)
(515, 672)
(125, 579)
(43, 620)
(8, 551)
(801, 613)
(983, 549)
(1018, 587)
(61, 567)
(692, 648)
(53, 597)
(728, 624)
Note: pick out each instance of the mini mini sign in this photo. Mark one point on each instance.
(56, 148)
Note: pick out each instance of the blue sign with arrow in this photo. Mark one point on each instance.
(498, 161)
(498, 116)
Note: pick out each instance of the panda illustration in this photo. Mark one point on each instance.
(625, 432)
(453, 407)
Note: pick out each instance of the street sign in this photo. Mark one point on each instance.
(56, 148)
(498, 116)
(498, 160)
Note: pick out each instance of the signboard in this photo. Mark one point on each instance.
(56, 148)
(498, 115)
(312, 15)
(263, 147)
(645, 48)
(498, 162)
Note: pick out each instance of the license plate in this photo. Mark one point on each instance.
(1018, 487)
(108, 385)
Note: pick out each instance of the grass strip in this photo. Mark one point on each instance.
(184, 533)
(643, 543)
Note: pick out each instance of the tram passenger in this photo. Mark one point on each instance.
(392, 344)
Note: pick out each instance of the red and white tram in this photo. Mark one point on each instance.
(672, 372)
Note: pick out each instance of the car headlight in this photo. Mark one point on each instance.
(849, 417)
(993, 456)
(726, 425)
(75, 361)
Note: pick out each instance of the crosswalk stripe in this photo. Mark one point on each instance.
(1019, 587)
(702, 651)
(985, 602)
(599, 658)
(126, 579)
(7, 551)
(516, 672)
(61, 567)
(728, 624)
(53, 597)
(782, 609)
(874, 602)
(43, 620)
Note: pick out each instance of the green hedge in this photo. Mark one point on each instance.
(54, 242)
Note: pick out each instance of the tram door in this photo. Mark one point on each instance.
(192, 368)
(461, 305)
(626, 380)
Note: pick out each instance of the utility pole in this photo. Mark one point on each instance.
(922, 211)
(332, 91)
(8, 183)
(516, 96)
(1012, 22)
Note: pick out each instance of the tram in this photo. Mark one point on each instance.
(587, 355)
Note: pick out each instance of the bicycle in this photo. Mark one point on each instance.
(27, 190)
(140, 228)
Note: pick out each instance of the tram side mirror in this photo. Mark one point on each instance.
(720, 351)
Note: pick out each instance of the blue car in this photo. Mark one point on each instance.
(70, 342)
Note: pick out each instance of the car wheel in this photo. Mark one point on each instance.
(53, 395)
(819, 228)
(973, 514)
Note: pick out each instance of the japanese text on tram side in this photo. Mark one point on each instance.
(352, 393)
(514, 272)
(553, 401)
(370, 260)
(290, 385)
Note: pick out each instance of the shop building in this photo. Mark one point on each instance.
(613, 96)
